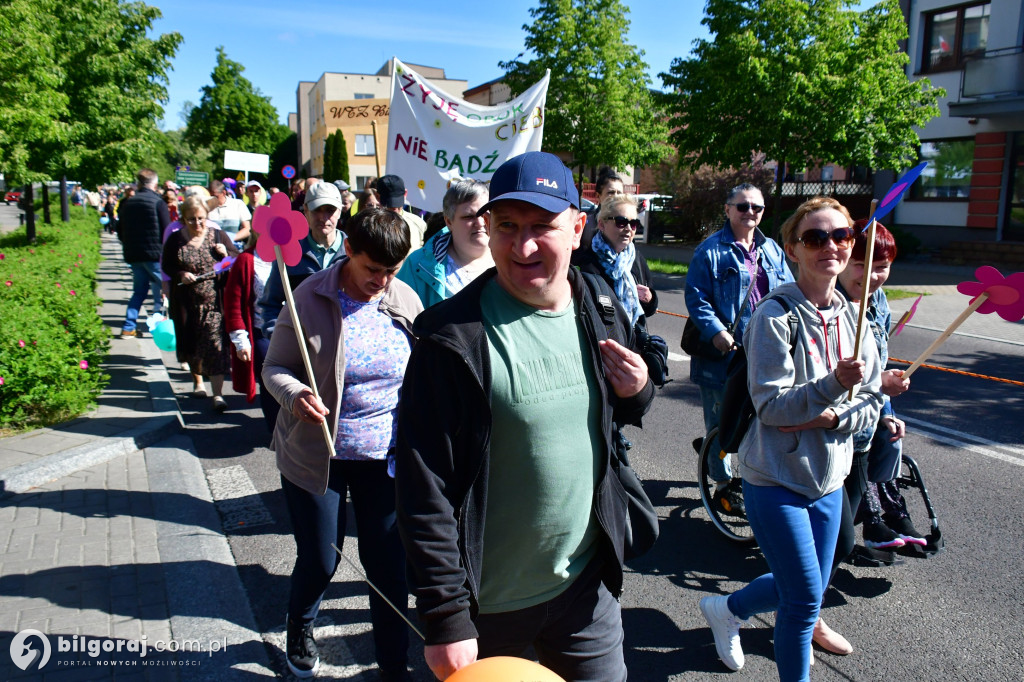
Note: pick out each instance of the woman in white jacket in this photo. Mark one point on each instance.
(798, 451)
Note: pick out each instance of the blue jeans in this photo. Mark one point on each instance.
(319, 520)
(577, 634)
(711, 401)
(145, 280)
(798, 538)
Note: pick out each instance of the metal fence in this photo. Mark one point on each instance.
(827, 189)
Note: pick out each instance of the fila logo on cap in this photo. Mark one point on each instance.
(547, 183)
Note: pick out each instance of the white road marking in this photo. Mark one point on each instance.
(236, 498)
(967, 441)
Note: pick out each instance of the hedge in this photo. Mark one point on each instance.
(52, 339)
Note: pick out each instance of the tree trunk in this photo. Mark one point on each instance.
(46, 204)
(780, 177)
(65, 212)
(30, 214)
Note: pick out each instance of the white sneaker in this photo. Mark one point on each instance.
(726, 628)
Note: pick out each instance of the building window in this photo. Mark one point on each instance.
(954, 35)
(361, 181)
(364, 145)
(363, 95)
(948, 174)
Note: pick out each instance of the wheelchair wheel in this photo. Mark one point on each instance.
(735, 528)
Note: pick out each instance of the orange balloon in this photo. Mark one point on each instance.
(504, 669)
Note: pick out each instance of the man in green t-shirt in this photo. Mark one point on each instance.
(511, 515)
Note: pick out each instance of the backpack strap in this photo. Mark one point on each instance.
(791, 317)
(603, 297)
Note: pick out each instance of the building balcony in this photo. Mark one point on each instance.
(992, 86)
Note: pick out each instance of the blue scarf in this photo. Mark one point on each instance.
(618, 266)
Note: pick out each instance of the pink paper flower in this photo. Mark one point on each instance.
(2, 256)
(84, 364)
(72, 292)
(58, 284)
(278, 225)
(1, 381)
(21, 343)
(69, 270)
(1005, 294)
(9, 283)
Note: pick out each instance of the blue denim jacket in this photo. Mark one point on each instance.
(879, 319)
(715, 284)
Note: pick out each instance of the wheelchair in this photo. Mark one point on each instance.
(736, 528)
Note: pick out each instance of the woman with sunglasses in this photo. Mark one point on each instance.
(717, 285)
(613, 256)
(799, 448)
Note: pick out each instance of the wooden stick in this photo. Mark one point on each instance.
(376, 154)
(283, 269)
(946, 334)
(869, 257)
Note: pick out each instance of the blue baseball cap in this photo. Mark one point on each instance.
(538, 178)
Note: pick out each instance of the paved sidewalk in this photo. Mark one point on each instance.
(110, 544)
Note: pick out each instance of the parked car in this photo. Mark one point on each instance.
(12, 197)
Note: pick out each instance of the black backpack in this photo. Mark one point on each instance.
(737, 409)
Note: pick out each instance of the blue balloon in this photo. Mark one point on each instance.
(163, 335)
(104, 220)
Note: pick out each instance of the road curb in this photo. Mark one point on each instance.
(199, 567)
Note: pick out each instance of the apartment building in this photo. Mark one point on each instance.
(350, 102)
(973, 188)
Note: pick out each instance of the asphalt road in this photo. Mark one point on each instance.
(957, 615)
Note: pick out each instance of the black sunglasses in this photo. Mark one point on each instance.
(816, 239)
(746, 206)
(622, 221)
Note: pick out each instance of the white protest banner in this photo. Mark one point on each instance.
(434, 138)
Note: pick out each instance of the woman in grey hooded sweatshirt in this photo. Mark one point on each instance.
(799, 448)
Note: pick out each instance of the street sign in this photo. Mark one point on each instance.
(240, 177)
(187, 178)
(288, 172)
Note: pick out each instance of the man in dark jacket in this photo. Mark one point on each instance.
(140, 226)
(505, 435)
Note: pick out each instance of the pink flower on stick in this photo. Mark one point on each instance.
(280, 226)
(991, 293)
(1005, 294)
(84, 364)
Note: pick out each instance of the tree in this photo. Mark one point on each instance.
(335, 157)
(81, 87)
(599, 107)
(286, 153)
(232, 114)
(800, 81)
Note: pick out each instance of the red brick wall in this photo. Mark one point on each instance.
(986, 180)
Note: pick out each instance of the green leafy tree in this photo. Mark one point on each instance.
(800, 81)
(286, 153)
(335, 157)
(599, 107)
(32, 98)
(232, 114)
(81, 87)
(169, 150)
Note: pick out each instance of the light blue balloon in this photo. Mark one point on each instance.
(104, 220)
(163, 335)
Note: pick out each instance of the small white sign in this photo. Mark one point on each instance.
(244, 161)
